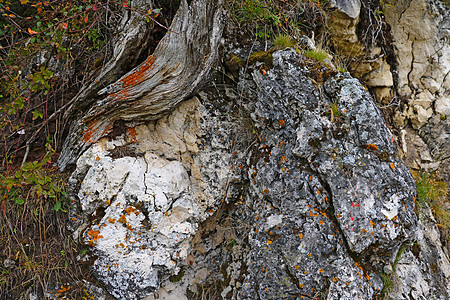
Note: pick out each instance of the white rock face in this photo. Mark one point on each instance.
(144, 223)
(418, 28)
(139, 212)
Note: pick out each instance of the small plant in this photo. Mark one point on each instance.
(340, 63)
(283, 41)
(318, 54)
(335, 111)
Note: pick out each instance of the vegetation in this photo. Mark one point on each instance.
(48, 50)
(318, 54)
(267, 19)
(283, 41)
(432, 192)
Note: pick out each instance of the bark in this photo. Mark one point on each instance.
(175, 71)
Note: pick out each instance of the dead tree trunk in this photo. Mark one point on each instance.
(177, 68)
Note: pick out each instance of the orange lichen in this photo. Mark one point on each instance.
(335, 279)
(138, 75)
(371, 147)
(63, 289)
(94, 234)
(282, 122)
(269, 242)
(132, 134)
(122, 219)
(300, 235)
(92, 134)
(129, 210)
(89, 134)
(296, 267)
(392, 166)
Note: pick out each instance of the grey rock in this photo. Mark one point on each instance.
(351, 8)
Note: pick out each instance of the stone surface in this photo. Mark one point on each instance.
(351, 8)
(287, 187)
(145, 209)
(420, 35)
(413, 278)
(342, 29)
(380, 77)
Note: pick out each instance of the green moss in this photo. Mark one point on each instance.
(335, 111)
(262, 56)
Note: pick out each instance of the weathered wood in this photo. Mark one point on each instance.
(177, 68)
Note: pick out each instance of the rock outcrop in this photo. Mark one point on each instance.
(409, 74)
(420, 31)
(286, 186)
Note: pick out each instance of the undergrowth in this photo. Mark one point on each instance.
(48, 51)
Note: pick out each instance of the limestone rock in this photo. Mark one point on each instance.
(420, 35)
(419, 29)
(437, 136)
(381, 76)
(419, 116)
(343, 33)
(145, 209)
(442, 106)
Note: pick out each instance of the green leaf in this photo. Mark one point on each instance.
(20, 201)
(37, 114)
(58, 207)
